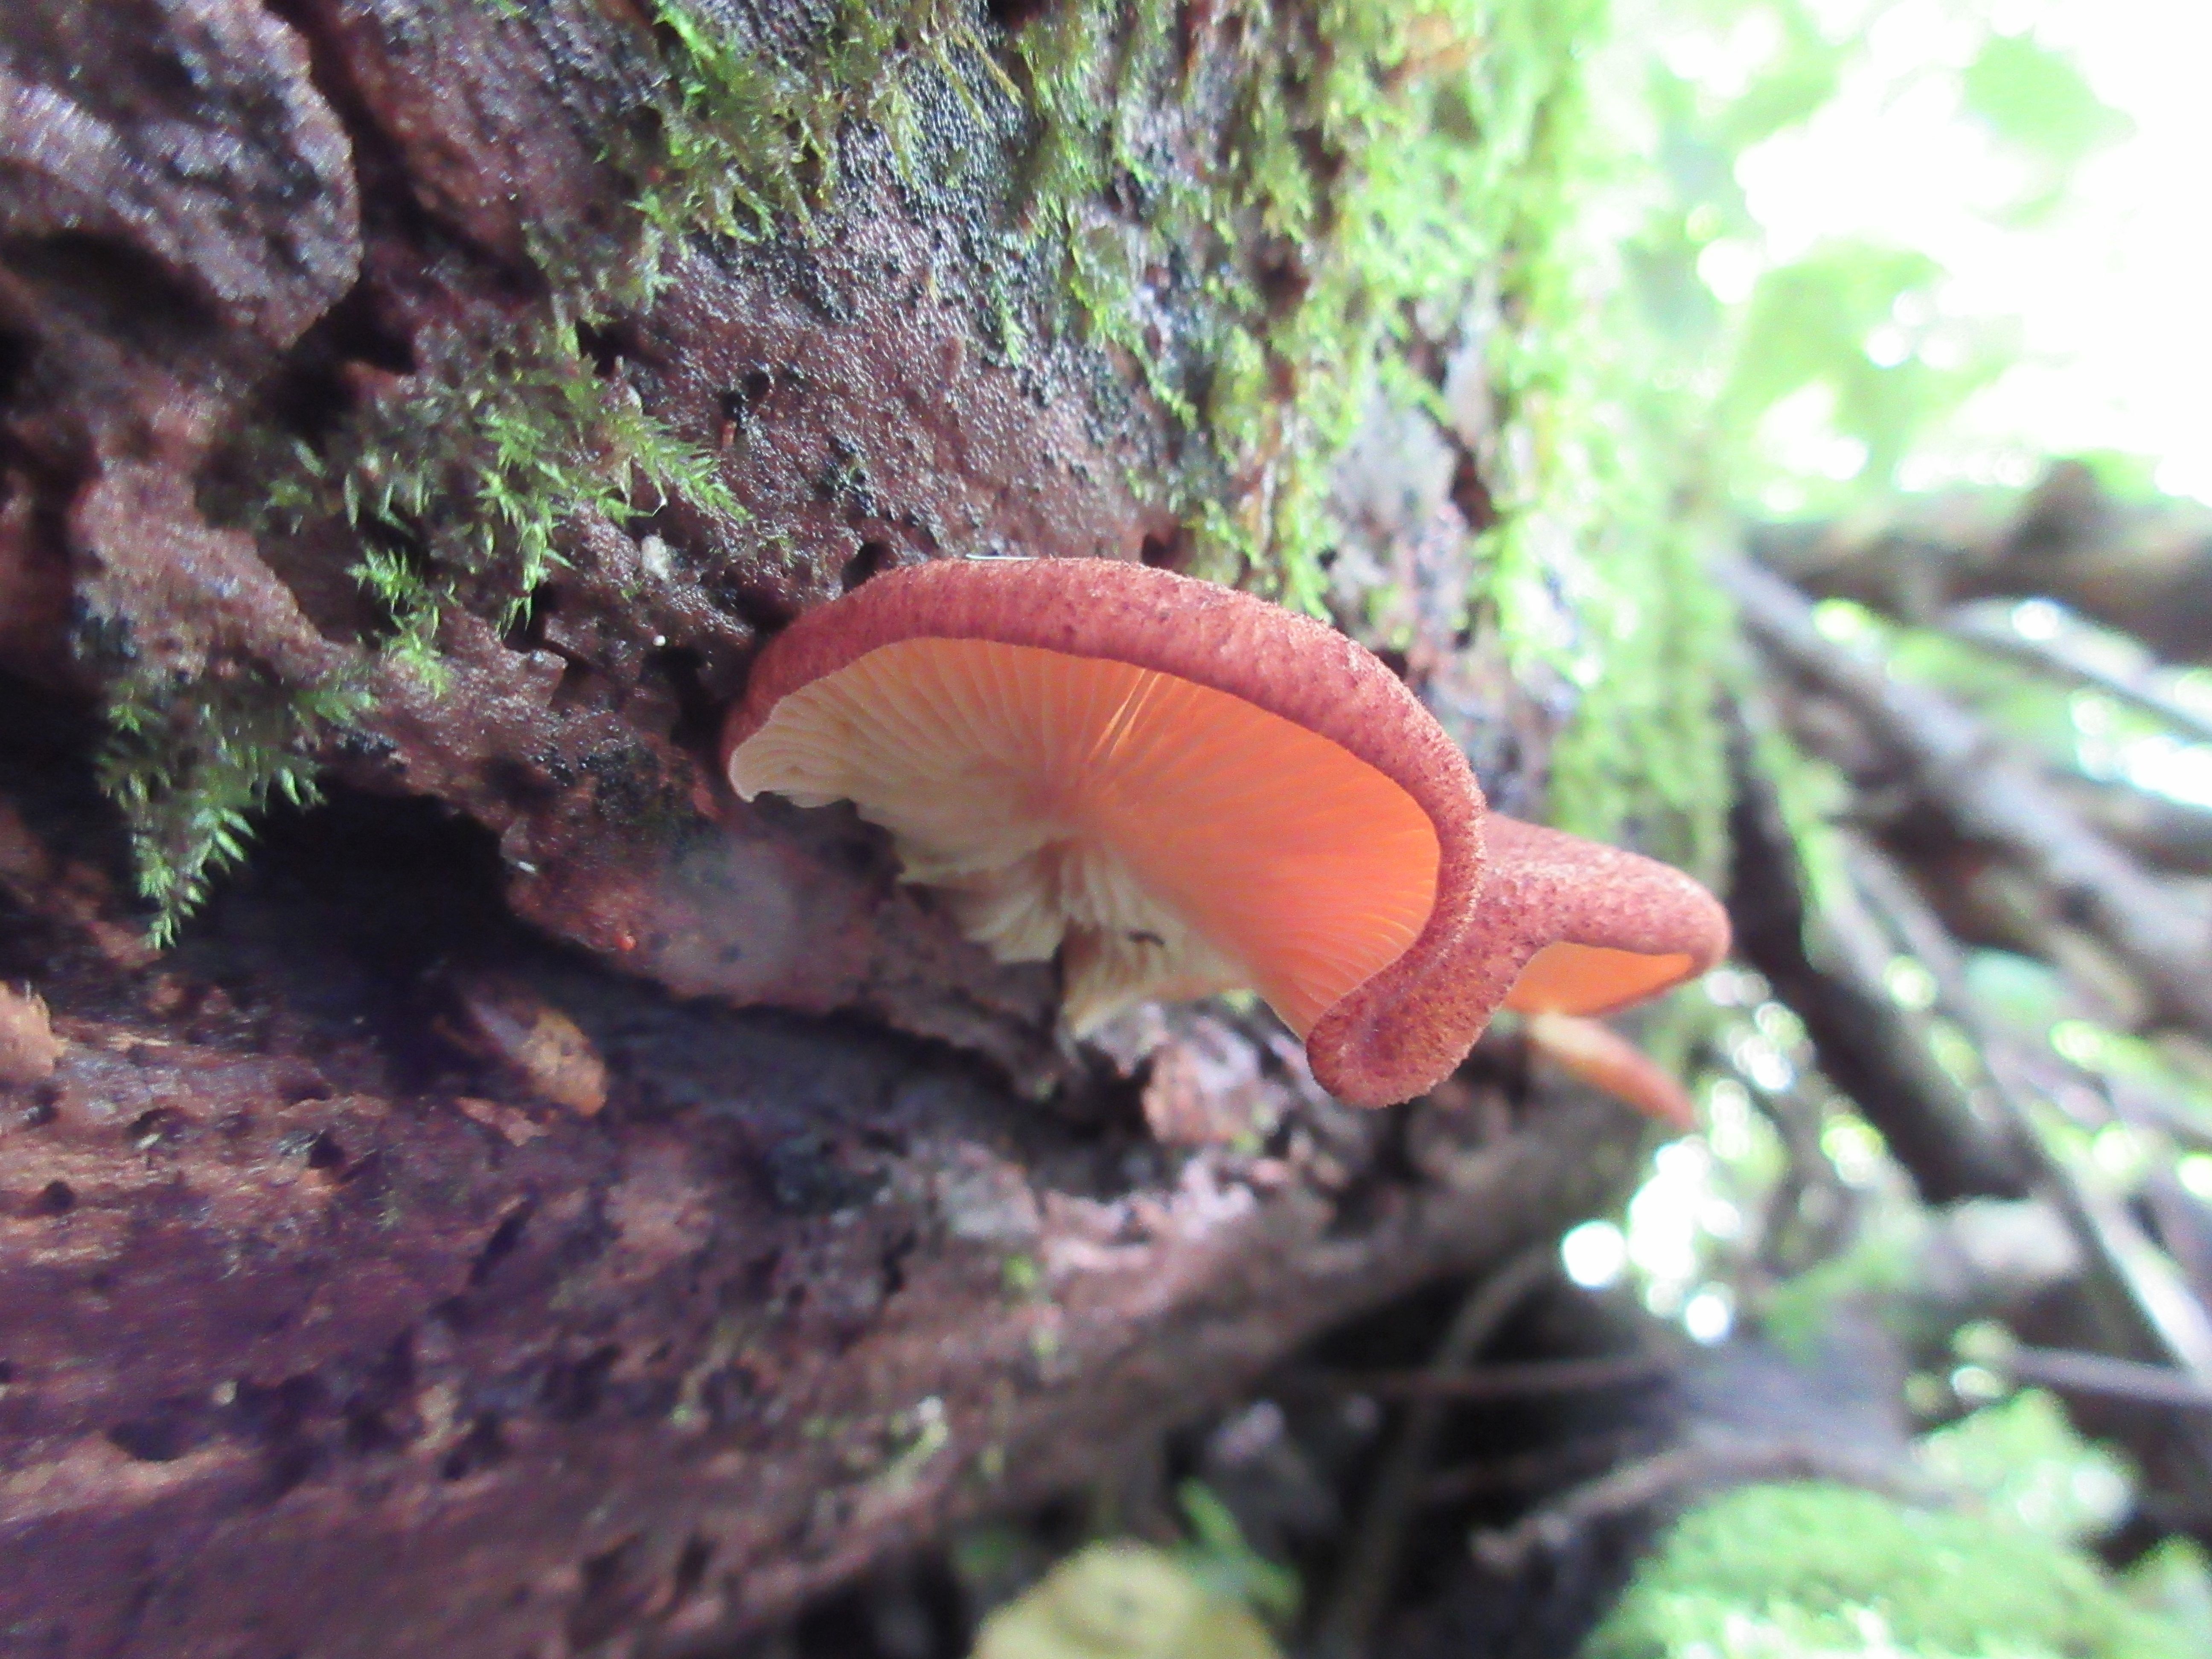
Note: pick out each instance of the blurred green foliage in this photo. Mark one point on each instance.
(1808, 374)
(2024, 1462)
(1997, 1569)
(2174, 1581)
(1878, 1271)
(1719, 367)
(1817, 1569)
(2037, 102)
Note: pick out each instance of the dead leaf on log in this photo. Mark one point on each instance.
(517, 1126)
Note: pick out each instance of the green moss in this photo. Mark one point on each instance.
(460, 493)
(1594, 573)
(2024, 1460)
(456, 495)
(1258, 242)
(1878, 1272)
(1642, 760)
(191, 761)
(1767, 1572)
(750, 142)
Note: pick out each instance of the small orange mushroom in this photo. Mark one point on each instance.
(1181, 789)
(1623, 928)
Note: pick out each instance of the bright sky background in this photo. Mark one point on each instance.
(2113, 295)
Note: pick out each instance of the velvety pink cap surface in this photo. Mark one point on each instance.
(1621, 926)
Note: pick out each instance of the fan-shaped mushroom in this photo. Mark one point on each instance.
(1183, 789)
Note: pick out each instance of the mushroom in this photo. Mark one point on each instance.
(1181, 789)
(1608, 928)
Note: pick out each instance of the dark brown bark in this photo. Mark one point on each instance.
(321, 1334)
(321, 1330)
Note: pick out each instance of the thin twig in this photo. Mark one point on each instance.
(1370, 1570)
(2072, 1372)
(1486, 1384)
(1542, 1470)
(2071, 653)
(1961, 768)
(2165, 834)
(1670, 1475)
(2105, 1224)
(2143, 568)
(1829, 962)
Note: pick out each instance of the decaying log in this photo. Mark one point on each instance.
(327, 1331)
(440, 1250)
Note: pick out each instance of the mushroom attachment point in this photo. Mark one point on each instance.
(1181, 789)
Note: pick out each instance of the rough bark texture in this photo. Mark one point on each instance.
(321, 1330)
(835, 381)
(316, 1343)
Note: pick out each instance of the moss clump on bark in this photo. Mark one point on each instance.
(1260, 223)
(190, 762)
(1819, 1568)
(459, 494)
(1266, 226)
(750, 140)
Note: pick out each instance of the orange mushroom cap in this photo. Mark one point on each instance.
(1183, 789)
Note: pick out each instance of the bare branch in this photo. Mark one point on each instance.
(1960, 766)
(2071, 1372)
(1672, 1475)
(1369, 1569)
(2068, 649)
(1488, 1383)
(2165, 834)
(1546, 1467)
(1829, 967)
(2143, 568)
(2155, 1294)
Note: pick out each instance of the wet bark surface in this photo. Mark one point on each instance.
(387, 175)
(441, 1249)
(326, 1333)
